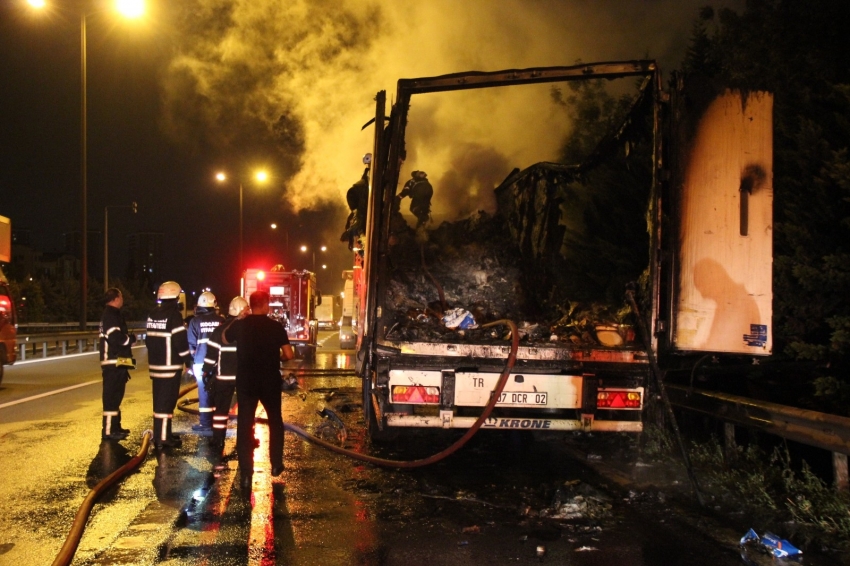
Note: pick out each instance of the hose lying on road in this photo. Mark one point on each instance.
(66, 553)
(500, 385)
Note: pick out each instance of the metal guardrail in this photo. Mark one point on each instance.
(812, 428)
(62, 343)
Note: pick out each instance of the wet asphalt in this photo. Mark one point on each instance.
(517, 498)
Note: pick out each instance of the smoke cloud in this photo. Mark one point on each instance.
(293, 81)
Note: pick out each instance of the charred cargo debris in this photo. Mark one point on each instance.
(555, 257)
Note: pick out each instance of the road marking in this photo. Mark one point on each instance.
(34, 397)
(51, 358)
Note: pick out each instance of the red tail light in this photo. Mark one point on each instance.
(415, 394)
(5, 304)
(618, 400)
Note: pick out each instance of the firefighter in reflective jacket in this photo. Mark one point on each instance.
(168, 352)
(200, 328)
(220, 372)
(115, 342)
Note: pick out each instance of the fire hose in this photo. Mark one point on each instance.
(500, 385)
(69, 548)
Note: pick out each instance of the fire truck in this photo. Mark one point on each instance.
(292, 302)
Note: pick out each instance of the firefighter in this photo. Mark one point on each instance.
(200, 328)
(357, 198)
(168, 352)
(420, 192)
(116, 358)
(219, 373)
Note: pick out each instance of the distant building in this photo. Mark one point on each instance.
(145, 257)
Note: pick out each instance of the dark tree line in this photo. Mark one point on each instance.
(58, 300)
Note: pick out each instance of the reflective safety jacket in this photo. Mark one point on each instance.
(114, 340)
(221, 358)
(200, 328)
(168, 346)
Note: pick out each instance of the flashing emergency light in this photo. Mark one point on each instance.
(261, 275)
(608, 399)
(417, 394)
(5, 304)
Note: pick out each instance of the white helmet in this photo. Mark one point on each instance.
(207, 300)
(169, 290)
(237, 305)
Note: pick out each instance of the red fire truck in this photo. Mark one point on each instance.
(292, 302)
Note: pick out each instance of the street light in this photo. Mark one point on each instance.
(323, 248)
(130, 9)
(260, 177)
(106, 208)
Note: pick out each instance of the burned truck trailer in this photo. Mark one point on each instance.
(673, 203)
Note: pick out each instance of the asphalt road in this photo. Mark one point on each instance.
(504, 498)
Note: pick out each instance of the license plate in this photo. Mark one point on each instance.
(523, 398)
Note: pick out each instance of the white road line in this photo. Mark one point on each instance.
(34, 397)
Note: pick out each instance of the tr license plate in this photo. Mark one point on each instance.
(509, 398)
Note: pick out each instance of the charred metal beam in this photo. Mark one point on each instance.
(478, 79)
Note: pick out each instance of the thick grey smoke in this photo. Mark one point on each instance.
(294, 80)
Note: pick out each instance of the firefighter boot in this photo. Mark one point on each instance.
(111, 429)
(162, 437)
(117, 424)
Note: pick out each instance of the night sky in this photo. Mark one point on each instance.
(207, 85)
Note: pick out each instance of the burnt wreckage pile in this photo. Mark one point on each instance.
(558, 269)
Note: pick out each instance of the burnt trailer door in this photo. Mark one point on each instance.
(721, 155)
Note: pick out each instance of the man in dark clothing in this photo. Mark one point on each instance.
(262, 345)
(420, 192)
(199, 329)
(168, 352)
(219, 373)
(115, 342)
(357, 198)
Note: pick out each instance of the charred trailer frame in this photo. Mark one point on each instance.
(572, 387)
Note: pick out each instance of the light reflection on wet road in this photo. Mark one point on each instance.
(184, 506)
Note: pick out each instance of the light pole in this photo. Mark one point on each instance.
(130, 9)
(323, 249)
(135, 208)
(260, 177)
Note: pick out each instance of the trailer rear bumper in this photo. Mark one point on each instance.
(447, 420)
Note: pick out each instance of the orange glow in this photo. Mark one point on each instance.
(261, 275)
(131, 8)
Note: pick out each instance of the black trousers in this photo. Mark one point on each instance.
(268, 393)
(165, 392)
(222, 397)
(114, 383)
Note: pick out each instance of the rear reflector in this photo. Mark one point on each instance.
(606, 399)
(415, 394)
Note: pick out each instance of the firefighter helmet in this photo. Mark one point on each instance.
(207, 300)
(237, 305)
(169, 290)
